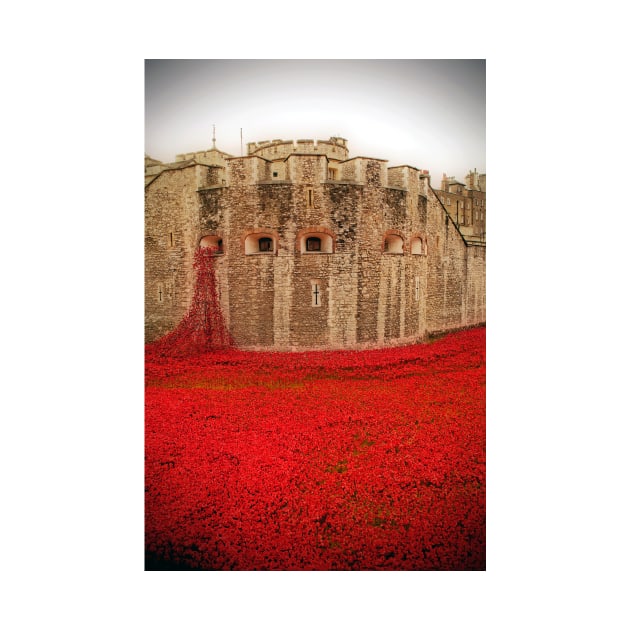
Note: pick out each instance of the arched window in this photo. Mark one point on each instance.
(315, 240)
(418, 246)
(393, 244)
(214, 242)
(261, 242)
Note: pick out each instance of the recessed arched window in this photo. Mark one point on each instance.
(212, 241)
(260, 243)
(418, 246)
(393, 244)
(315, 240)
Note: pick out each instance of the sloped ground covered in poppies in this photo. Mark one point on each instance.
(370, 460)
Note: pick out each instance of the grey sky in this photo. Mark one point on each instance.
(426, 113)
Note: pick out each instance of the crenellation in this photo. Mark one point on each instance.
(334, 148)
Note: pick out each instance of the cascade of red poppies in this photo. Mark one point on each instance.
(203, 328)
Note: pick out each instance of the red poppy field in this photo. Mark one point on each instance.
(371, 460)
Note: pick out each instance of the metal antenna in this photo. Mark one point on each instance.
(214, 140)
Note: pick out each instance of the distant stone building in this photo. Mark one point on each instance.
(466, 204)
(315, 249)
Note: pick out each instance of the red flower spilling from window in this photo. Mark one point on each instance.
(203, 328)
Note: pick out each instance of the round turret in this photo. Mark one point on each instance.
(334, 148)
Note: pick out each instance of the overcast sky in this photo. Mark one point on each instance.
(426, 113)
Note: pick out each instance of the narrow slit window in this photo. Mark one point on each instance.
(170, 239)
(417, 289)
(316, 293)
(309, 197)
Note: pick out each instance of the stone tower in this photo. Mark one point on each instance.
(315, 249)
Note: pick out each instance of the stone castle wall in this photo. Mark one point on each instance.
(392, 268)
(171, 236)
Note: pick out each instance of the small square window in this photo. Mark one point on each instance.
(313, 244)
(275, 173)
(265, 244)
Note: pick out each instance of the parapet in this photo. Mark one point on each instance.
(335, 148)
(209, 157)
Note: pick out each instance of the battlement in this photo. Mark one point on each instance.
(305, 162)
(209, 157)
(334, 148)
